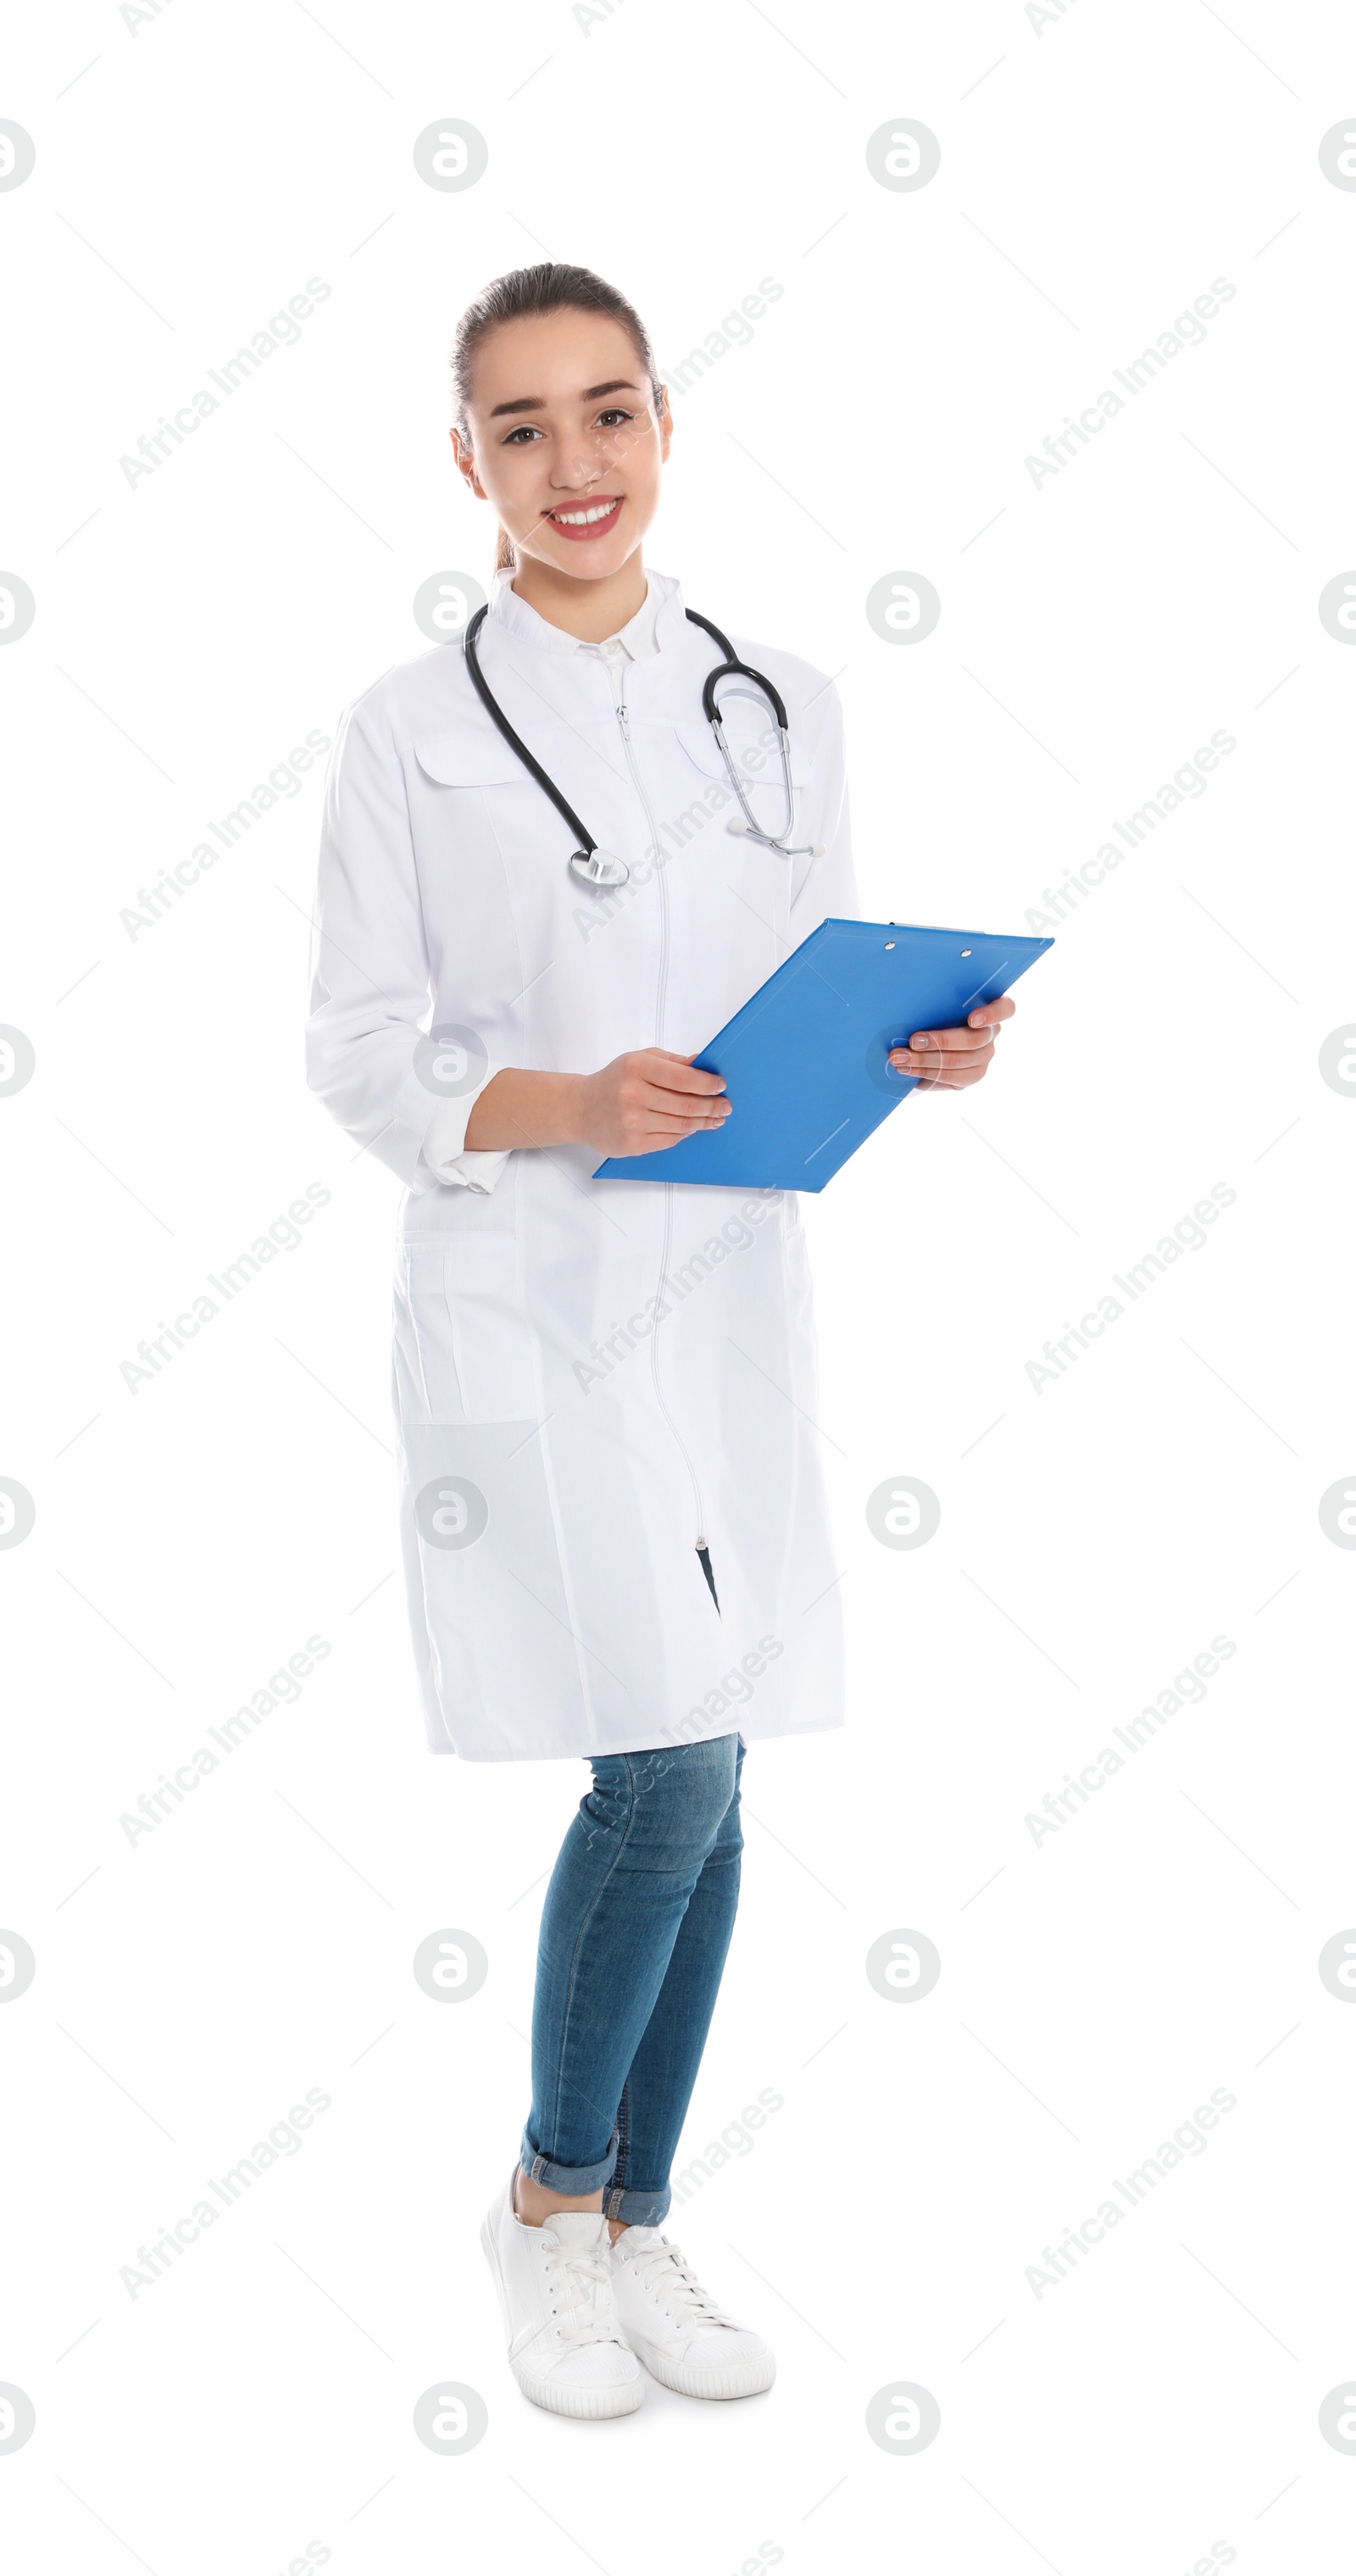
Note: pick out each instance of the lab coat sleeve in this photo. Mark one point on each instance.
(445, 1143)
(370, 978)
(825, 888)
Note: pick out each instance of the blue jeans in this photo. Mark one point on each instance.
(634, 1932)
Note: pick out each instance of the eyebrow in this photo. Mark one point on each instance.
(591, 393)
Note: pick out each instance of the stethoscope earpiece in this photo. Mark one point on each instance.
(812, 849)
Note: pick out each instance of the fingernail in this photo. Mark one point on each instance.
(920, 1042)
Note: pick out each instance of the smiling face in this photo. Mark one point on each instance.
(565, 442)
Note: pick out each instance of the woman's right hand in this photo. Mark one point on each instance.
(640, 1103)
(635, 1105)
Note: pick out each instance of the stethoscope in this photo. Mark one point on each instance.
(598, 868)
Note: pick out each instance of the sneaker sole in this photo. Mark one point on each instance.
(592, 2405)
(584, 2404)
(745, 2379)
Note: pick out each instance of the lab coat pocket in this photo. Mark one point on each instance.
(758, 877)
(752, 740)
(464, 1350)
(427, 1386)
(469, 754)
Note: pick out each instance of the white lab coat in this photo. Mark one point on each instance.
(590, 1377)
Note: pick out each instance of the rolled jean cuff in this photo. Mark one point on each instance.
(637, 2208)
(574, 2182)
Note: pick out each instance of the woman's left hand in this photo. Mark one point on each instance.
(951, 1059)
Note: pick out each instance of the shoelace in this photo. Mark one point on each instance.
(662, 2269)
(582, 2290)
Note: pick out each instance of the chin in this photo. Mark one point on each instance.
(590, 563)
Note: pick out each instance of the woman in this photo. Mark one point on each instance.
(614, 1524)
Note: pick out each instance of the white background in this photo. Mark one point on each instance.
(1097, 173)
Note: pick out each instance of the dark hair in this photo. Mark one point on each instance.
(550, 286)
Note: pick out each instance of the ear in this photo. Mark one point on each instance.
(467, 463)
(665, 427)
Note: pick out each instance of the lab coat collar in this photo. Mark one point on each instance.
(657, 625)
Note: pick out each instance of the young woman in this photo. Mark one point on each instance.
(614, 1525)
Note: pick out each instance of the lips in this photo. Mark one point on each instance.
(587, 519)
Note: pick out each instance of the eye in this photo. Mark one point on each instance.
(612, 418)
(524, 430)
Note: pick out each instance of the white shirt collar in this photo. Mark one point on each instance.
(632, 643)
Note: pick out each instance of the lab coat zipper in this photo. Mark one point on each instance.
(624, 721)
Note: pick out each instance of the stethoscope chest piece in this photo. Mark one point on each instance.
(598, 868)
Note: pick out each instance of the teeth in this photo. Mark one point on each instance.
(584, 518)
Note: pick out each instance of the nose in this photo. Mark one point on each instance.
(574, 474)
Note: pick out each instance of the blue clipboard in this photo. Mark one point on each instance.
(805, 1059)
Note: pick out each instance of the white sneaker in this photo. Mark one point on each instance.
(565, 2348)
(681, 2335)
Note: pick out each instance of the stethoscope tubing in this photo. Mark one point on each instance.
(744, 670)
(581, 863)
(497, 716)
